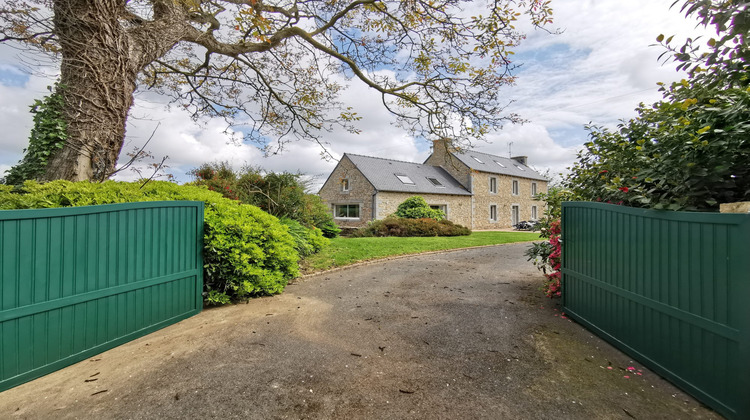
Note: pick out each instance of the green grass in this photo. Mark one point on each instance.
(346, 251)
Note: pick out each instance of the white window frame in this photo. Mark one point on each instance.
(335, 211)
(515, 187)
(533, 189)
(345, 185)
(402, 177)
(493, 209)
(493, 183)
(534, 213)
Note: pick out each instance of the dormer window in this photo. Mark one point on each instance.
(405, 179)
(501, 165)
(435, 182)
(477, 159)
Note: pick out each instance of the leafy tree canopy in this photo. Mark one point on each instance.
(274, 67)
(689, 151)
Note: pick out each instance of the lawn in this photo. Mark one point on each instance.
(346, 251)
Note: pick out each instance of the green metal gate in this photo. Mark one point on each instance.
(669, 288)
(80, 280)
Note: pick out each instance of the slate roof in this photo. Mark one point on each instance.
(382, 174)
(490, 164)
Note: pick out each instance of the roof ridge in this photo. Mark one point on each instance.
(484, 153)
(390, 160)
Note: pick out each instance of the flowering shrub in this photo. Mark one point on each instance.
(552, 285)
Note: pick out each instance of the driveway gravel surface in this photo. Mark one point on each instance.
(456, 335)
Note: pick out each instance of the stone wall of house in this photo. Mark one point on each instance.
(360, 193)
(458, 206)
(447, 161)
(504, 200)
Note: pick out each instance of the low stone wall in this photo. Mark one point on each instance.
(740, 207)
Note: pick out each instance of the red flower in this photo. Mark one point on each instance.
(603, 171)
(624, 189)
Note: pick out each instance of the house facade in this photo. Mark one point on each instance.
(474, 189)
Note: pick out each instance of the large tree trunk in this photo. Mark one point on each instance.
(104, 47)
(98, 81)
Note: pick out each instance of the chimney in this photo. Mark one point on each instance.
(439, 148)
(521, 159)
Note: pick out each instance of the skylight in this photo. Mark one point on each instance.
(435, 182)
(501, 165)
(477, 159)
(519, 168)
(405, 179)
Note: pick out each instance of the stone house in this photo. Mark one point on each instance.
(477, 190)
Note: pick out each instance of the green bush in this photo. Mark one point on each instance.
(397, 226)
(329, 229)
(247, 252)
(280, 194)
(307, 241)
(315, 213)
(417, 208)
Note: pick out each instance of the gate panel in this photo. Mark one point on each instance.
(668, 288)
(77, 281)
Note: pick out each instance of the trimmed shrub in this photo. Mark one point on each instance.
(307, 241)
(417, 208)
(247, 252)
(397, 226)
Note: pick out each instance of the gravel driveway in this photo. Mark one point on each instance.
(455, 335)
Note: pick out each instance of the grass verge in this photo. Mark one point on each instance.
(346, 251)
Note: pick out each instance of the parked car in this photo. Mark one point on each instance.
(525, 225)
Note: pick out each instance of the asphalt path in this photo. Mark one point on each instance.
(455, 335)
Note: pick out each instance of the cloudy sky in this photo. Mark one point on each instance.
(597, 70)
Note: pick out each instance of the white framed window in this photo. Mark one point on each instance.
(346, 211)
(533, 213)
(533, 189)
(493, 213)
(345, 185)
(404, 179)
(493, 185)
(514, 187)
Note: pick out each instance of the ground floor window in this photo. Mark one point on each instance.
(346, 211)
(493, 213)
